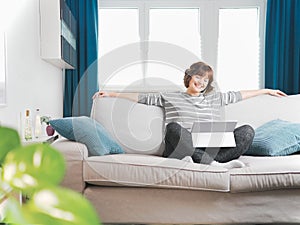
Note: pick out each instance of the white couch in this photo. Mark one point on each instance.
(142, 187)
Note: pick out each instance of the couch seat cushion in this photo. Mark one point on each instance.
(266, 173)
(153, 171)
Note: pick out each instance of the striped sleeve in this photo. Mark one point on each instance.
(230, 97)
(150, 99)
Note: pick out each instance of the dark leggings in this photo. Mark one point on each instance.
(179, 144)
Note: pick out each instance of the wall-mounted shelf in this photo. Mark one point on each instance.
(58, 34)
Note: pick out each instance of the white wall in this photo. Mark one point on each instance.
(31, 82)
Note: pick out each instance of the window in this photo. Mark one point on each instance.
(238, 49)
(149, 44)
(116, 23)
(176, 26)
(118, 27)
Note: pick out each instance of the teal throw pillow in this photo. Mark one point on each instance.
(89, 132)
(276, 138)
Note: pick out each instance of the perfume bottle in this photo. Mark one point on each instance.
(37, 125)
(27, 126)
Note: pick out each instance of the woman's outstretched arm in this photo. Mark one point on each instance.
(252, 93)
(129, 96)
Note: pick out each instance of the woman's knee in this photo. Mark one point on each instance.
(246, 132)
(244, 136)
(173, 126)
(173, 130)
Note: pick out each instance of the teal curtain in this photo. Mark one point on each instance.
(82, 82)
(282, 62)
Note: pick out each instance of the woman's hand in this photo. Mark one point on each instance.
(276, 93)
(101, 94)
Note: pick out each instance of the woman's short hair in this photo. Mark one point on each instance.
(199, 68)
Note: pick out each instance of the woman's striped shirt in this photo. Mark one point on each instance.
(185, 109)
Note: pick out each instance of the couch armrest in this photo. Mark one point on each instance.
(74, 154)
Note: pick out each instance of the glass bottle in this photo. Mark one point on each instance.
(27, 126)
(38, 125)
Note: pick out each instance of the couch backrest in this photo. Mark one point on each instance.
(139, 128)
(261, 109)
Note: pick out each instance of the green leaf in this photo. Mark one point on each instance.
(60, 206)
(33, 167)
(13, 213)
(9, 140)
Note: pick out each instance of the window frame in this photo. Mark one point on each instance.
(209, 11)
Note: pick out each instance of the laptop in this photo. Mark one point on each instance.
(213, 134)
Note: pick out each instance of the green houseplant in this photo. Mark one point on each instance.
(36, 171)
